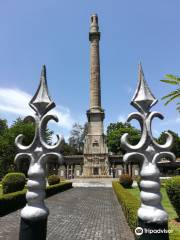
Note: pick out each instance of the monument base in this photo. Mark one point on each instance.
(96, 176)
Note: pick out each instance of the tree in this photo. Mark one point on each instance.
(173, 80)
(77, 135)
(7, 146)
(115, 132)
(8, 149)
(3, 126)
(176, 144)
(68, 150)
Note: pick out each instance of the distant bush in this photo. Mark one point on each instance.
(173, 190)
(128, 203)
(53, 179)
(178, 171)
(13, 182)
(126, 181)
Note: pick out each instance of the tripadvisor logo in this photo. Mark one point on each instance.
(138, 231)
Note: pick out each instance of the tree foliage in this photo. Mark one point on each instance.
(115, 132)
(8, 149)
(69, 150)
(3, 126)
(76, 139)
(173, 80)
(176, 144)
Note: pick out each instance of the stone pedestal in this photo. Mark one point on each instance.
(95, 156)
(96, 166)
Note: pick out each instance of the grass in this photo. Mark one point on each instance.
(165, 201)
(168, 207)
(0, 189)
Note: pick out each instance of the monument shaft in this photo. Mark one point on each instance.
(95, 88)
(95, 148)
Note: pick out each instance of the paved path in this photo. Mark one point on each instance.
(95, 182)
(78, 214)
(92, 182)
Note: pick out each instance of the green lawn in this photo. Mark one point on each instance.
(165, 201)
(167, 206)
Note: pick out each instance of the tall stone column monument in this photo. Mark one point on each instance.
(95, 148)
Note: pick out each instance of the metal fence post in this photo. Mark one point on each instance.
(35, 214)
(148, 152)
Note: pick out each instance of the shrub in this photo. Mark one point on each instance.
(163, 182)
(128, 203)
(173, 190)
(57, 188)
(13, 201)
(13, 182)
(126, 180)
(53, 179)
(178, 171)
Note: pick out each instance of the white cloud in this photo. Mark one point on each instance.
(64, 116)
(15, 101)
(122, 118)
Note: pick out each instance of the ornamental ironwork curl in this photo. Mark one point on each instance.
(147, 152)
(38, 152)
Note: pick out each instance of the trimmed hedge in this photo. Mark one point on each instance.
(13, 182)
(57, 188)
(53, 179)
(173, 190)
(128, 203)
(13, 201)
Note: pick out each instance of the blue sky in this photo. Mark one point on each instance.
(55, 33)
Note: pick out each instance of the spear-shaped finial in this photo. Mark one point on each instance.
(148, 152)
(43, 71)
(41, 102)
(143, 98)
(34, 215)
